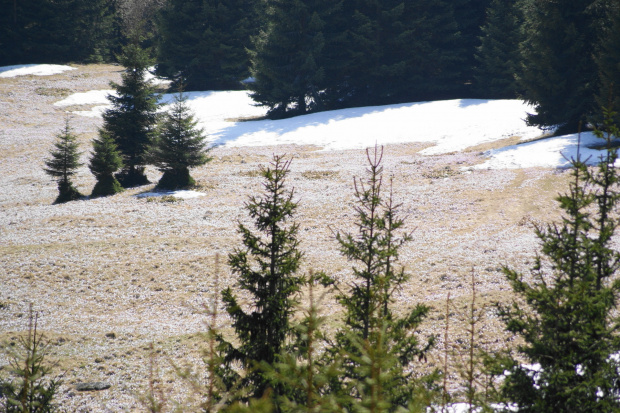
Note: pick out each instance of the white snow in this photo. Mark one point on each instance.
(181, 194)
(36, 70)
(91, 97)
(554, 152)
(450, 125)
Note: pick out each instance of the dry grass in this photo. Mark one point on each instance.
(112, 275)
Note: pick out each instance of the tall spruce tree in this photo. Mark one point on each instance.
(380, 347)
(498, 54)
(178, 146)
(566, 315)
(203, 42)
(398, 51)
(64, 161)
(470, 16)
(608, 60)
(558, 73)
(133, 116)
(104, 162)
(266, 267)
(287, 57)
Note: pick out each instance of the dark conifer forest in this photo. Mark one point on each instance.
(304, 56)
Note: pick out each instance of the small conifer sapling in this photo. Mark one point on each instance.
(64, 161)
(179, 145)
(105, 161)
(29, 389)
(380, 347)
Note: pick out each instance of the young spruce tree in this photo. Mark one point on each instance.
(566, 316)
(105, 161)
(380, 347)
(64, 162)
(29, 389)
(266, 268)
(132, 119)
(178, 146)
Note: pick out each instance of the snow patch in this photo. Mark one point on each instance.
(36, 70)
(449, 125)
(553, 152)
(92, 97)
(181, 194)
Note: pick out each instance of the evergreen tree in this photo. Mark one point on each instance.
(36, 31)
(566, 317)
(29, 390)
(63, 164)
(97, 33)
(373, 333)
(105, 161)
(132, 119)
(266, 267)
(301, 369)
(608, 60)
(178, 146)
(203, 42)
(396, 51)
(287, 57)
(470, 16)
(558, 74)
(498, 54)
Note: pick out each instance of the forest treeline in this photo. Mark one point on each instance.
(298, 56)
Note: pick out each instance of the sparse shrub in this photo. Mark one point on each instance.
(64, 162)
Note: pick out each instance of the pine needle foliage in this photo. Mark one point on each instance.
(498, 53)
(292, 85)
(266, 267)
(302, 370)
(29, 391)
(566, 317)
(132, 119)
(558, 74)
(105, 161)
(64, 161)
(178, 146)
(373, 333)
